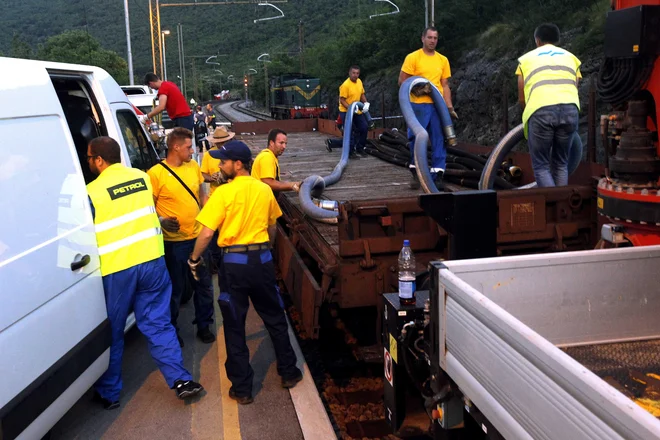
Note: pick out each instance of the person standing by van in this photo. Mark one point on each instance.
(179, 195)
(171, 99)
(135, 278)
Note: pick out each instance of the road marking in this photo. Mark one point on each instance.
(230, 422)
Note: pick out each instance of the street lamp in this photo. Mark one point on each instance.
(164, 33)
(264, 59)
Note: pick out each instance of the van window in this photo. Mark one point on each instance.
(140, 151)
(42, 193)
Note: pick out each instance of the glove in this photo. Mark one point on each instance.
(452, 113)
(365, 107)
(195, 266)
(357, 109)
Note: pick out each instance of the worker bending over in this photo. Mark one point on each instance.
(431, 65)
(133, 269)
(266, 165)
(548, 79)
(245, 212)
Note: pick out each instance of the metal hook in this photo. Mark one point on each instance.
(269, 18)
(386, 13)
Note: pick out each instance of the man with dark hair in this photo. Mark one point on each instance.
(245, 213)
(179, 195)
(551, 112)
(266, 166)
(134, 275)
(171, 99)
(429, 64)
(351, 91)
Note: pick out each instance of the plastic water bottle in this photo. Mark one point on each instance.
(406, 275)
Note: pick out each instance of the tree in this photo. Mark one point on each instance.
(20, 48)
(78, 47)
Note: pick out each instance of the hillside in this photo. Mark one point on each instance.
(481, 39)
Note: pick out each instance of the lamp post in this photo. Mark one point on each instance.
(263, 58)
(129, 53)
(163, 35)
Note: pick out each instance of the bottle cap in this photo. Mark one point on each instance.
(406, 242)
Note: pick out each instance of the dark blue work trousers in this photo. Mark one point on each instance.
(145, 289)
(251, 276)
(428, 116)
(359, 131)
(176, 257)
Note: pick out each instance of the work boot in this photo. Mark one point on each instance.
(363, 153)
(242, 400)
(187, 388)
(327, 145)
(353, 155)
(438, 180)
(291, 382)
(107, 404)
(206, 335)
(414, 180)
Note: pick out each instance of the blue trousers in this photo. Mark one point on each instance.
(176, 257)
(243, 277)
(550, 133)
(359, 131)
(145, 289)
(185, 122)
(430, 120)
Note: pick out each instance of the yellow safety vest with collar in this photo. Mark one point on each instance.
(551, 76)
(127, 228)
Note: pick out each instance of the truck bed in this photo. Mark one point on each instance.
(527, 337)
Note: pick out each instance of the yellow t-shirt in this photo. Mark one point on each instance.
(351, 92)
(242, 209)
(172, 199)
(211, 166)
(434, 67)
(266, 165)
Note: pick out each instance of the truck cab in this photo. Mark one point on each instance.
(54, 331)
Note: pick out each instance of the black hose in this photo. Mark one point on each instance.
(620, 79)
(459, 152)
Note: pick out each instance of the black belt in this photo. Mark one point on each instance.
(246, 247)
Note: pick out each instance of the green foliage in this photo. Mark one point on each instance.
(79, 47)
(20, 48)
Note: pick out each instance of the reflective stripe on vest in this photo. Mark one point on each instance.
(127, 228)
(550, 77)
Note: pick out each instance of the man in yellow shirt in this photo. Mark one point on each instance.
(266, 166)
(352, 91)
(245, 212)
(551, 113)
(429, 64)
(179, 195)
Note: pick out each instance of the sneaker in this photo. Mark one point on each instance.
(363, 153)
(414, 180)
(242, 400)
(439, 181)
(327, 145)
(107, 404)
(206, 335)
(353, 156)
(290, 383)
(186, 389)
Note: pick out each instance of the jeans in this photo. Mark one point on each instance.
(145, 289)
(359, 131)
(550, 133)
(429, 119)
(185, 122)
(176, 257)
(246, 276)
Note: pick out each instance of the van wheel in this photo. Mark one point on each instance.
(187, 293)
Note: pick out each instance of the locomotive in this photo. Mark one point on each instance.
(296, 96)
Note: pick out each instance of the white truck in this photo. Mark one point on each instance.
(54, 332)
(528, 341)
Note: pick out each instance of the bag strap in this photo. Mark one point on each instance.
(176, 176)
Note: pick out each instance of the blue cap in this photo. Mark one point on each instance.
(233, 150)
(406, 242)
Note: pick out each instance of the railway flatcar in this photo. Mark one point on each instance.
(296, 96)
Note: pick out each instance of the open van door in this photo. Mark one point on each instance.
(54, 331)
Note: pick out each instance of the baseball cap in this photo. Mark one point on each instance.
(233, 150)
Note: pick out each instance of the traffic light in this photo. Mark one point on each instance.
(245, 81)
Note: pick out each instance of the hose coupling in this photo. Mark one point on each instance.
(450, 135)
(330, 205)
(515, 171)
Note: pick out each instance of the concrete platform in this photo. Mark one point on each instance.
(150, 410)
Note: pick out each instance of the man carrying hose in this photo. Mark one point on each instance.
(429, 64)
(548, 77)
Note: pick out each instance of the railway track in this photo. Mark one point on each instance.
(233, 112)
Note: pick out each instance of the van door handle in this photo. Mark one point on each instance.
(84, 261)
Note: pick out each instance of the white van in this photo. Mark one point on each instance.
(54, 331)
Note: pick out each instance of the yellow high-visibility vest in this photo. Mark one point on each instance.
(127, 228)
(551, 76)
